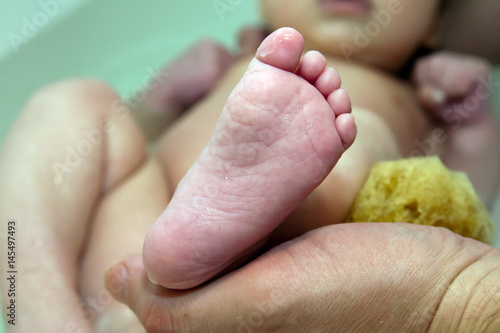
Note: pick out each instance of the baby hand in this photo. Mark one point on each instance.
(452, 84)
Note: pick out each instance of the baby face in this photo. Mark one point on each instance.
(383, 33)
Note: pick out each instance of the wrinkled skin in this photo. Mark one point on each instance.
(349, 277)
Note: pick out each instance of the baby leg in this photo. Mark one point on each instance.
(72, 143)
(119, 229)
(181, 84)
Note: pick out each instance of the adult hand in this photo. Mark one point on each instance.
(348, 277)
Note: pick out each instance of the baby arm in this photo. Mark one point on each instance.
(188, 79)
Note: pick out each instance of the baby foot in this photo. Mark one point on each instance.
(458, 91)
(283, 129)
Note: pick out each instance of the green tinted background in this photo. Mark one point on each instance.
(115, 41)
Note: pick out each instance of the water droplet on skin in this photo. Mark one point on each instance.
(287, 37)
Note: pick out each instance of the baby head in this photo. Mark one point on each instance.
(382, 33)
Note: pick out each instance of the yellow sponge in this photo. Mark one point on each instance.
(422, 191)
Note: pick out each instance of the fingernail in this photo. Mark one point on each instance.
(268, 47)
(116, 279)
(265, 48)
(152, 280)
(437, 96)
